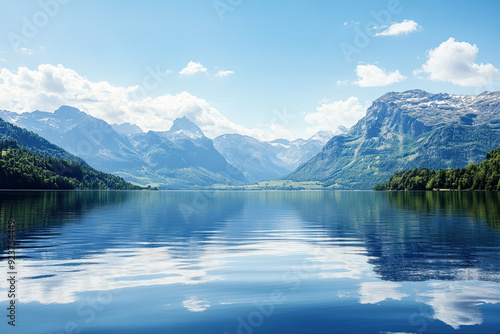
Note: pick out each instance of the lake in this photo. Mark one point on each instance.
(252, 262)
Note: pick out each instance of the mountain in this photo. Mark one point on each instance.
(88, 137)
(34, 142)
(126, 128)
(21, 168)
(28, 161)
(402, 131)
(482, 176)
(268, 160)
(183, 128)
(300, 151)
(179, 158)
(258, 160)
(183, 157)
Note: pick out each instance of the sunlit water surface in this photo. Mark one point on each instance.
(253, 262)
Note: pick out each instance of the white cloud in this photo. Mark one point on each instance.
(223, 73)
(455, 62)
(401, 28)
(193, 68)
(331, 114)
(194, 304)
(375, 292)
(25, 51)
(351, 23)
(48, 87)
(3, 59)
(374, 76)
(342, 83)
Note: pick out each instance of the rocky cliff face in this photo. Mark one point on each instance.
(406, 130)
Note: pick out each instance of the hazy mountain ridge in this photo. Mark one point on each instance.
(179, 158)
(28, 161)
(268, 160)
(127, 128)
(407, 130)
(88, 137)
(34, 142)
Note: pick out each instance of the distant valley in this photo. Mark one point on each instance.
(269, 160)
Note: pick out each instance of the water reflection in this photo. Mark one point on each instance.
(60, 281)
(478, 205)
(195, 304)
(376, 292)
(205, 253)
(458, 304)
(415, 236)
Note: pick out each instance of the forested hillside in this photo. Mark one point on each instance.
(21, 168)
(34, 142)
(482, 176)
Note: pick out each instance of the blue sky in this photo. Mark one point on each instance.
(265, 68)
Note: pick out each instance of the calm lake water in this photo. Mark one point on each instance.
(253, 262)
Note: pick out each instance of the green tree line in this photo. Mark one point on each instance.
(21, 168)
(482, 176)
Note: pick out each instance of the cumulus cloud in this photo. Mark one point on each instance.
(48, 87)
(401, 28)
(329, 115)
(374, 76)
(192, 68)
(222, 73)
(455, 62)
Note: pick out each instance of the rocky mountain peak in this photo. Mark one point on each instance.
(127, 128)
(184, 124)
(67, 111)
(322, 136)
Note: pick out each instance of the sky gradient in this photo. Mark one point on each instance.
(269, 69)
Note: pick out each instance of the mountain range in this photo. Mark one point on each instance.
(28, 161)
(269, 160)
(172, 159)
(407, 130)
(182, 157)
(400, 131)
